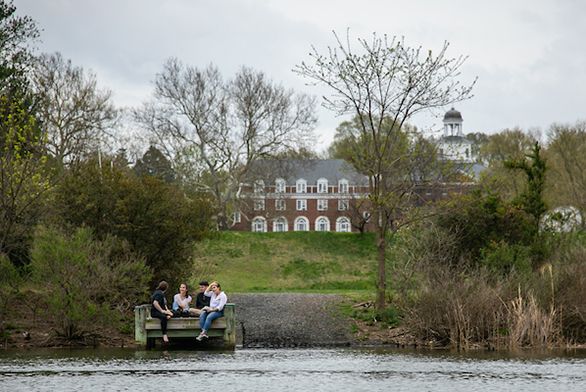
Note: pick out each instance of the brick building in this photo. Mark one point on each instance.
(303, 195)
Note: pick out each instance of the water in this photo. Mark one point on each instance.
(289, 370)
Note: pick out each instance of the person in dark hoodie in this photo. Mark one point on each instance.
(159, 308)
(201, 301)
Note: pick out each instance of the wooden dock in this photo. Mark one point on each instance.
(147, 329)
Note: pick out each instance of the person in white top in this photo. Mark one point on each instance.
(181, 302)
(215, 310)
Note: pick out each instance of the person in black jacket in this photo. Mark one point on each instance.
(159, 308)
(201, 300)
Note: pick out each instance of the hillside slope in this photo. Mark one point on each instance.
(291, 261)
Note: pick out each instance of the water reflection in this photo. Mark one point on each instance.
(292, 370)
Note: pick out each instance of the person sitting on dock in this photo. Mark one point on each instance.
(181, 302)
(159, 308)
(215, 310)
(201, 301)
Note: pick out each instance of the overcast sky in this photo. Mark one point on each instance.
(529, 55)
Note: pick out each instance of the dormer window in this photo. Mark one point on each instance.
(301, 186)
(259, 186)
(343, 186)
(322, 185)
(280, 185)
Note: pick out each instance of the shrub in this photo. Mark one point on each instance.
(9, 283)
(156, 218)
(88, 282)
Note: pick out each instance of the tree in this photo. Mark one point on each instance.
(24, 178)
(16, 35)
(156, 218)
(154, 163)
(509, 144)
(534, 167)
(73, 112)
(566, 154)
(23, 174)
(384, 85)
(219, 129)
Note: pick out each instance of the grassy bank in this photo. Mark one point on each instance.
(292, 261)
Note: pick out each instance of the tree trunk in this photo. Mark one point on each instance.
(381, 286)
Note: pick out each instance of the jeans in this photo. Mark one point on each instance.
(205, 319)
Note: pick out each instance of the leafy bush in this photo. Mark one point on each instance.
(88, 282)
(156, 218)
(503, 258)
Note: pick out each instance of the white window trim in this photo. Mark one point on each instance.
(264, 224)
(343, 204)
(339, 225)
(303, 203)
(322, 204)
(296, 222)
(344, 183)
(259, 205)
(280, 205)
(237, 217)
(280, 185)
(317, 223)
(301, 186)
(276, 221)
(259, 186)
(322, 185)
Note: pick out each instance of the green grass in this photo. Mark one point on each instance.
(292, 261)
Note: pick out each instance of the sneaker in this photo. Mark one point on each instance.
(201, 337)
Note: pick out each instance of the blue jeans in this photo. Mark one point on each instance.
(205, 319)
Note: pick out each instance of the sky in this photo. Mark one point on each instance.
(529, 55)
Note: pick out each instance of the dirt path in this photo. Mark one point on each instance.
(290, 320)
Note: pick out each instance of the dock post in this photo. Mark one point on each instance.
(140, 316)
(230, 332)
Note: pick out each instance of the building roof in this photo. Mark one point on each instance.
(453, 114)
(310, 170)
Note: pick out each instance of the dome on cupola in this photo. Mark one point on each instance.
(453, 114)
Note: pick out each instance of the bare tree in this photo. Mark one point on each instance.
(384, 84)
(75, 115)
(219, 129)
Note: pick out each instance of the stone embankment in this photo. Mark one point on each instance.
(290, 320)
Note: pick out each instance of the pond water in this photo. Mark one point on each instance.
(290, 370)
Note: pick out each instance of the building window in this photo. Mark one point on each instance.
(342, 205)
(236, 217)
(366, 216)
(301, 224)
(302, 205)
(280, 185)
(322, 224)
(343, 186)
(280, 224)
(259, 205)
(280, 204)
(322, 204)
(259, 186)
(301, 186)
(259, 224)
(322, 185)
(343, 225)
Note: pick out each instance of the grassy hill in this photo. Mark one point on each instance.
(292, 261)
